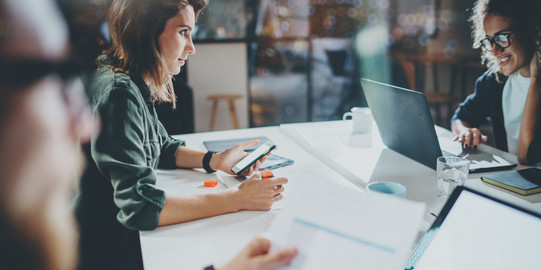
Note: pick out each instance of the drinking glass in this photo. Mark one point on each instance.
(452, 172)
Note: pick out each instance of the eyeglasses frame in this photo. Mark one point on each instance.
(492, 41)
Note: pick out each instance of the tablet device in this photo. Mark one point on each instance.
(252, 157)
(222, 145)
(476, 231)
(272, 162)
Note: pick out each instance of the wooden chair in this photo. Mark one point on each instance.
(415, 73)
(229, 98)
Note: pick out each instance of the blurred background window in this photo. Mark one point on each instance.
(303, 58)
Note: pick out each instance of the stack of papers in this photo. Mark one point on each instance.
(360, 231)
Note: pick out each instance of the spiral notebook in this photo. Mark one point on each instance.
(523, 182)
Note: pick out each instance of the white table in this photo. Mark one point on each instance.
(323, 152)
(363, 158)
(195, 244)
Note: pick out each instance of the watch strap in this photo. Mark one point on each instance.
(206, 161)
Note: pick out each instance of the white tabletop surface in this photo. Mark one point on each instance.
(323, 151)
(195, 244)
(363, 158)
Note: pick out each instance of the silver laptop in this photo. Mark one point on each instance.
(405, 125)
(476, 231)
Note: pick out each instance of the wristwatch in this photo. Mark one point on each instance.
(206, 161)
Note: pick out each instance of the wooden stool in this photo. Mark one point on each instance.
(230, 98)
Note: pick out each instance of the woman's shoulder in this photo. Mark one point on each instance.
(492, 77)
(107, 82)
(116, 80)
(110, 77)
(490, 80)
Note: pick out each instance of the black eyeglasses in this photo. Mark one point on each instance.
(15, 74)
(501, 40)
(22, 72)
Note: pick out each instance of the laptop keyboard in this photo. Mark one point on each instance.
(445, 153)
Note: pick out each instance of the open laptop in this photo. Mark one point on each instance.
(405, 125)
(476, 231)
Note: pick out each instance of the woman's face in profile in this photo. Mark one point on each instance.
(517, 56)
(176, 39)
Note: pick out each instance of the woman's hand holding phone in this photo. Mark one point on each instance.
(245, 163)
(225, 161)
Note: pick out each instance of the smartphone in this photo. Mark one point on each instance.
(254, 156)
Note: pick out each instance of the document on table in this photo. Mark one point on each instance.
(354, 230)
(233, 182)
(333, 144)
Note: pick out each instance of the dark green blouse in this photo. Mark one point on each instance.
(117, 195)
(132, 144)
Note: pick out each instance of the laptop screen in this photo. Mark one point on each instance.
(478, 232)
(405, 124)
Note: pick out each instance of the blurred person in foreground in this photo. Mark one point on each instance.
(44, 118)
(509, 93)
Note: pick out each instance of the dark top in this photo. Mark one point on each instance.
(486, 103)
(117, 194)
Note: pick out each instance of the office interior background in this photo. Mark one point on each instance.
(292, 61)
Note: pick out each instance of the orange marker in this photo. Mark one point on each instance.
(210, 183)
(266, 174)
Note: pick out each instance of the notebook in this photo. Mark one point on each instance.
(405, 125)
(476, 231)
(272, 162)
(523, 182)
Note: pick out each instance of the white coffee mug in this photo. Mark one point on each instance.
(362, 119)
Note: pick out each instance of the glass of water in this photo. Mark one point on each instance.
(452, 171)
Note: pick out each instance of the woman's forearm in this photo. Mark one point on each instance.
(186, 208)
(189, 158)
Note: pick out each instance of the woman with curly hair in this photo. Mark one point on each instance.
(509, 93)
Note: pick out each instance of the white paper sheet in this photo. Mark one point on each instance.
(230, 181)
(360, 231)
(233, 182)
